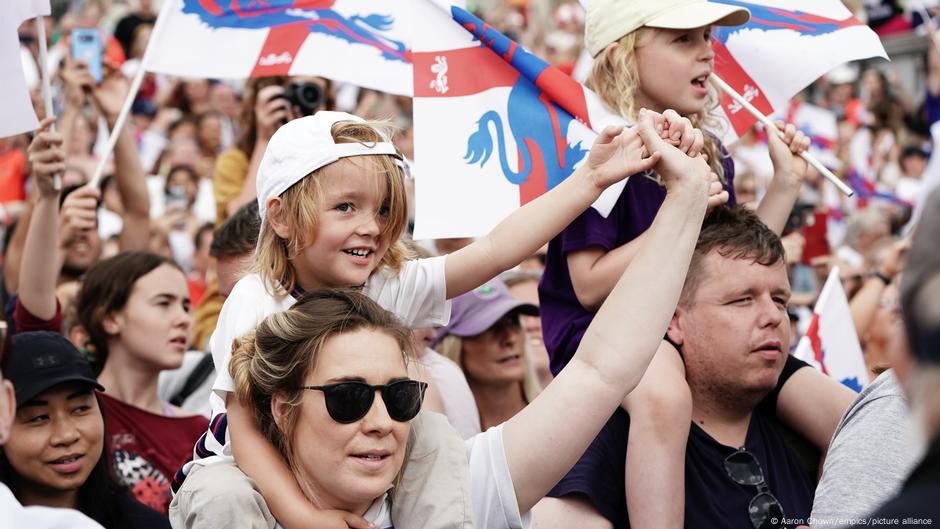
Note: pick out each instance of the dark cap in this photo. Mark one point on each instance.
(920, 284)
(41, 360)
(476, 311)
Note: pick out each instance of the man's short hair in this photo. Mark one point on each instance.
(238, 235)
(735, 233)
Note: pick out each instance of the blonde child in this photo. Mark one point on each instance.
(656, 55)
(332, 203)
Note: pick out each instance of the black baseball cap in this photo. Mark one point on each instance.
(922, 271)
(42, 360)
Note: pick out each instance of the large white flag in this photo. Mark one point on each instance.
(785, 46)
(363, 42)
(495, 126)
(16, 109)
(831, 343)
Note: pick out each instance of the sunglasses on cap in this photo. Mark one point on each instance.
(347, 402)
(764, 509)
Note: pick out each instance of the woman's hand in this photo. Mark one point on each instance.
(78, 83)
(46, 158)
(109, 96)
(785, 152)
(271, 111)
(79, 214)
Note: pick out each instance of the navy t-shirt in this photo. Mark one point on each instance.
(714, 500)
(564, 319)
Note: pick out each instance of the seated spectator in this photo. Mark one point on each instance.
(135, 310)
(485, 338)
(55, 455)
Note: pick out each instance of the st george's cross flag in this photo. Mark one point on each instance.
(782, 49)
(16, 108)
(831, 343)
(364, 42)
(494, 125)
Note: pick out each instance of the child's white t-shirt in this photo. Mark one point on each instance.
(417, 295)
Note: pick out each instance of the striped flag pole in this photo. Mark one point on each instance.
(769, 125)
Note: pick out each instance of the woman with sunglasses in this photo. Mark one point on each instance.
(309, 376)
(485, 338)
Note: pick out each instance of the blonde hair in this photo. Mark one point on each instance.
(277, 356)
(299, 211)
(615, 79)
(452, 347)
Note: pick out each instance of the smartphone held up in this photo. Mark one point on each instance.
(87, 47)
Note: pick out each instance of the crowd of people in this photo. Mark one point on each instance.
(235, 328)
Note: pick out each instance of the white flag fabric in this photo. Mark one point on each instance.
(831, 343)
(785, 46)
(494, 126)
(363, 42)
(16, 108)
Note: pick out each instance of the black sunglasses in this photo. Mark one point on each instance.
(347, 402)
(764, 509)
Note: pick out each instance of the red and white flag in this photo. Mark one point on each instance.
(782, 49)
(831, 343)
(16, 108)
(363, 42)
(494, 125)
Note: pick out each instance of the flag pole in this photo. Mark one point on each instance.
(931, 27)
(769, 124)
(118, 125)
(129, 101)
(46, 85)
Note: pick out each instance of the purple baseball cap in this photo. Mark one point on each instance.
(476, 311)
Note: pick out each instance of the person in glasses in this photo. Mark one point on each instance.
(326, 381)
(485, 338)
(917, 364)
(732, 329)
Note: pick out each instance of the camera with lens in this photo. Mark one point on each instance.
(306, 96)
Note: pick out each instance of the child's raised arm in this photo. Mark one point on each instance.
(616, 154)
(607, 367)
(789, 172)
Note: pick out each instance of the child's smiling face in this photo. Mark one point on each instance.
(351, 238)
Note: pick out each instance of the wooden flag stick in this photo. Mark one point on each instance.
(931, 27)
(769, 125)
(131, 95)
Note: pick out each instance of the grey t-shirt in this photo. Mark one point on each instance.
(872, 451)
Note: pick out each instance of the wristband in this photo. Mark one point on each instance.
(884, 279)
